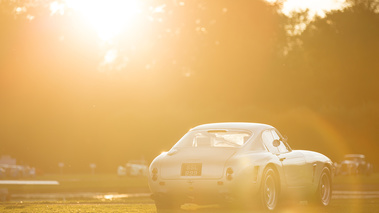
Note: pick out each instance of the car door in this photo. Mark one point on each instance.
(293, 162)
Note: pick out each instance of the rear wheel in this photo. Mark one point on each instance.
(269, 190)
(323, 194)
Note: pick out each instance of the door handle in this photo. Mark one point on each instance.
(282, 159)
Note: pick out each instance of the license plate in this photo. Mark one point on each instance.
(191, 169)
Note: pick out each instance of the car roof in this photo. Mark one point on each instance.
(234, 125)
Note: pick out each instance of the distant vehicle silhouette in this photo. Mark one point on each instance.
(354, 164)
(133, 168)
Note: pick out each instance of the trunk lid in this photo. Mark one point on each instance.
(203, 163)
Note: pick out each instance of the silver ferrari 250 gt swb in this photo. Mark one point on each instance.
(242, 163)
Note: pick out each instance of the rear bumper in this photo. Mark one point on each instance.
(200, 191)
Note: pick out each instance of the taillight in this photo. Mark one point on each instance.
(154, 171)
(229, 173)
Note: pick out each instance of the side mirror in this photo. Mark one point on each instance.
(276, 143)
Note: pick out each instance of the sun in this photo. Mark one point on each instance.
(108, 17)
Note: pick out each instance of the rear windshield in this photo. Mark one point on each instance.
(214, 138)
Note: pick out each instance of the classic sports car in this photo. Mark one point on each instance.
(242, 163)
(354, 164)
(133, 168)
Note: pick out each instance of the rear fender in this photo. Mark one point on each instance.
(250, 169)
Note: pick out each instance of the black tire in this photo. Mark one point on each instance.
(323, 194)
(269, 191)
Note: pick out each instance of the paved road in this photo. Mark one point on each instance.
(355, 194)
(78, 195)
(337, 194)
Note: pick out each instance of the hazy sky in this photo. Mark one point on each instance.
(315, 6)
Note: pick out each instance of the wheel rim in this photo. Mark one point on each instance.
(325, 189)
(270, 192)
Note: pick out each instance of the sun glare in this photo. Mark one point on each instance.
(108, 17)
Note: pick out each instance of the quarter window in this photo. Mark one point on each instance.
(268, 139)
(282, 147)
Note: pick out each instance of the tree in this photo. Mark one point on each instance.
(336, 56)
(332, 68)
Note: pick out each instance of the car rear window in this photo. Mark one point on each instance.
(214, 138)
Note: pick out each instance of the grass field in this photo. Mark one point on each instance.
(66, 208)
(337, 206)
